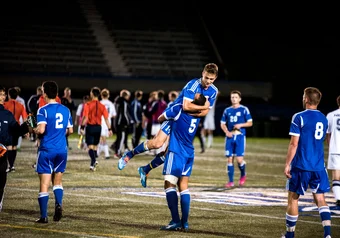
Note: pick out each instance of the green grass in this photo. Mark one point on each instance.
(112, 203)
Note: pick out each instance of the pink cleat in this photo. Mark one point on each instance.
(229, 185)
(242, 180)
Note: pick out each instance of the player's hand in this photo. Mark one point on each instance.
(206, 104)
(3, 150)
(31, 121)
(229, 134)
(237, 126)
(82, 131)
(287, 171)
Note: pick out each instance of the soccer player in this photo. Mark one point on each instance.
(305, 164)
(19, 113)
(202, 85)
(234, 120)
(9, 128)
(92, 118)
(179, 161)
(111, 110)
(53, 122)
(333, 140)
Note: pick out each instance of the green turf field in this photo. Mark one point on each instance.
(112, 203)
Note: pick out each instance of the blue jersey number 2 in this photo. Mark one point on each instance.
(59, 121)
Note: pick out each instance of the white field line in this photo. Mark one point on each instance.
(164, 204)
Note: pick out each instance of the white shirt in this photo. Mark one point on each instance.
(110, 109)
(21, 100)
(334, 129)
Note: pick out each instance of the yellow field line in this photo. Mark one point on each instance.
(65, 232)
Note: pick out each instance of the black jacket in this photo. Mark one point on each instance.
(123, 117)
(9, 126)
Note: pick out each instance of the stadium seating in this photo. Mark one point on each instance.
(157, 43)
(53, 37)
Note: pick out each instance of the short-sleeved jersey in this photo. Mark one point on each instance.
(311, 126)
(183, 130)
(94, 110)
(57, 118)
(232, 116)
(334, 128)
(16, 108)
(42, 101)
(195, 86)
(110, 107)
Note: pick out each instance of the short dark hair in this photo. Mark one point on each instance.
(138, 93)
(51, 89)
(161, 94)
(236, 92)
(200, 100)
(338, 100)
(13, 93)
(2, 88)
(95, 91)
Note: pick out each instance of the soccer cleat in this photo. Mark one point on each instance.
(58, 213)
(172, 226)
(337, 203)
(123, 161)
(143, 176)
(185, 226)
(242, 180)
(42, 220)
(92, 168)
(229, 185)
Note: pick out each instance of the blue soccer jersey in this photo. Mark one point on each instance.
(195, 86)
(232, 116)
(57, 118)
(311, 126)
(183, 130)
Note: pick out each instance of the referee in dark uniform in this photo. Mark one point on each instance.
(8, 127)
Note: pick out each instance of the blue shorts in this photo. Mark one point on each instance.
(316, 180)
(48, 162)
(235, 146)
(166, 126)
(177, 165)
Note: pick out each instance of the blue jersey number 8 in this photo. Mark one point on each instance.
(318, 131)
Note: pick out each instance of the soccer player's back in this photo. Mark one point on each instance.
(310, 151)
(56, 117)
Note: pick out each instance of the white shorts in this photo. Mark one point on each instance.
(105, 131)
(209, 123)
(155, 128)
(334, 161)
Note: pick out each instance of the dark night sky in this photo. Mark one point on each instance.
(292, 54)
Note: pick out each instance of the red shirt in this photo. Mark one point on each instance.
(93, 111)
(42, 101)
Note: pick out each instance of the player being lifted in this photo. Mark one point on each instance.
(202, 85)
